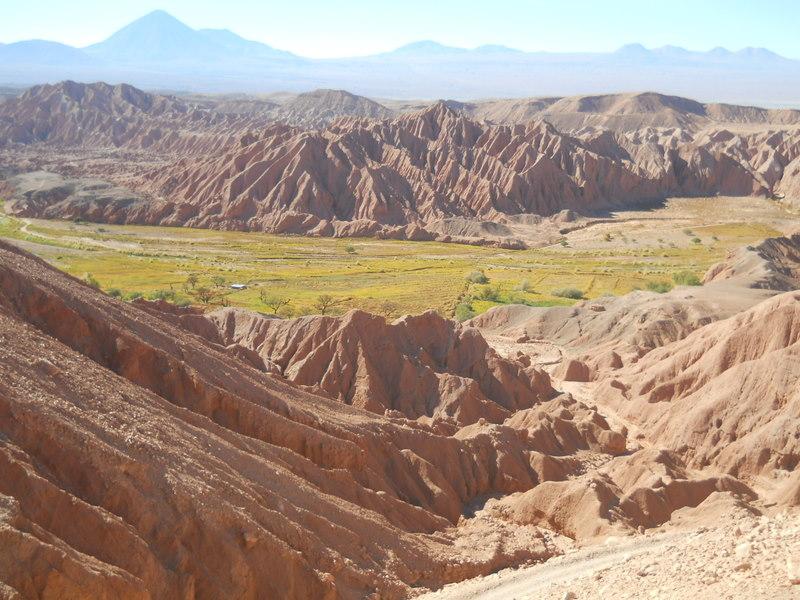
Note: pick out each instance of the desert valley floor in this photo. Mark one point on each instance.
(613, 255)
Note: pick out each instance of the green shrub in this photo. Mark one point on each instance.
(90, 280)
(492, 294)
(696, 240)
(525, 286)
(686, 278)
(115, 293)
(350, 249)
(167, 295)
(478, 277)
(659, 287)
(464, 312)
(573, 293)
(133, 296)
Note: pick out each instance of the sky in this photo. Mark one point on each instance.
(336, 28)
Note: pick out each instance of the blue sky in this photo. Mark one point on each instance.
(330, 28)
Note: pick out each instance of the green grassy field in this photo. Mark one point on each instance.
(361, 273)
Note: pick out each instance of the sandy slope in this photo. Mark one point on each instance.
(741, 556)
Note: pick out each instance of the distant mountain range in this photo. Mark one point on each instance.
(158, 51)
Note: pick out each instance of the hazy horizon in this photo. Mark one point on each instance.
(362, 28)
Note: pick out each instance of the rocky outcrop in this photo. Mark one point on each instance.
(432, 174)
(598, 505)
(725, 395)
(70, 114)
(421, 366)
(438, 164)
(601, 335)
(773, 264)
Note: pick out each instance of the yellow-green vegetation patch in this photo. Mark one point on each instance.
(393, 277)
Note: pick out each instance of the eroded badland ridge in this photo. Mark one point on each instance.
(486, 173)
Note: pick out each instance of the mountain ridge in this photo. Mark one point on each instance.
(158, 51)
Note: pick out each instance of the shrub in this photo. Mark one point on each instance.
(525, 286)
(115, 293)
(350, 249)
(388, 309)
(464, 312)
(90, 280)
(686, 278)
(287, 312)
(166, 295)
(696, 240)
(573, 293)
(133, 296)
(659, 287)
(492, 294)
(478, 277)
(608, 237)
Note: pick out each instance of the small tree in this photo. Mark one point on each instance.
(204, 294)
(287, 312)
(388, 309)
(273, 301)
(218, 281)
(324, 303)
(191, 281)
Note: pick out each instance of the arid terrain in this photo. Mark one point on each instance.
(323, 346)
(349, 168)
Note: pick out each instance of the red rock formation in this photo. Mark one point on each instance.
(418, 366)
(615, 500)
(180, 470)
(429, 174)
(100, 115)
(726, 395)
